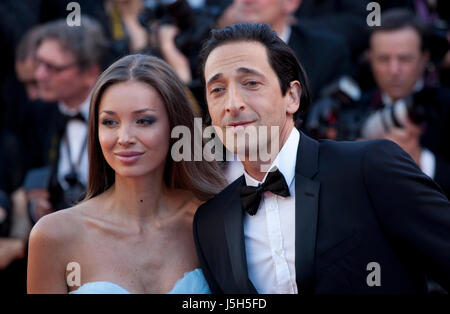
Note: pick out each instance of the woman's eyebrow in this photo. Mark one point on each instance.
(107, 111)
(135, 112)
(143, 110)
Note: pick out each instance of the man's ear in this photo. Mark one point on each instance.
(293, 95)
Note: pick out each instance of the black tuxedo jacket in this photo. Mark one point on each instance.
(45, 129)
(355, 203)
(442, 175)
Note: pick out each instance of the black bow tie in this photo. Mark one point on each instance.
(63, 120)
(251, 195)
(78, 116)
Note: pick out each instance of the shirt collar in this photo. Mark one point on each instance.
(285, 160)
(83, 108)
(286, 34)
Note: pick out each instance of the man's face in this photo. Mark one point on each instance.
(260, 11)
(397, 61)
(25, 71)
(58, 74)
(243, 90)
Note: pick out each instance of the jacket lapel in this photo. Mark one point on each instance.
(306, 212)
(234, 231)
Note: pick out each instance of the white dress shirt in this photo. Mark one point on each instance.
(286, 33)
(76, 132)
(428, 163)
(270, 233)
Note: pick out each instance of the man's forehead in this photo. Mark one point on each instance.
(236, 57)
(395, 38)
(56, 47)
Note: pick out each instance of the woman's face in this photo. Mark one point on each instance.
(133, 129)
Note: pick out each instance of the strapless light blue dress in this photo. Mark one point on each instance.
(193, 282)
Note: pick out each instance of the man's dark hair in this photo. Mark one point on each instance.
(281, 57)
(396, 19)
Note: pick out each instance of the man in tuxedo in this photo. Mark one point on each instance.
(69, 60)
(329, 217)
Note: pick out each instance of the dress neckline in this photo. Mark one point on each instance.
(121, 289)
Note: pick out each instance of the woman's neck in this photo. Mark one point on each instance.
(139, 200)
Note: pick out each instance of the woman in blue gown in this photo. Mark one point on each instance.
(133, 231)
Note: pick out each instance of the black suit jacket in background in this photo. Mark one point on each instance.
(324, 56)
(356, 203)
(344, 17)
(45, 128)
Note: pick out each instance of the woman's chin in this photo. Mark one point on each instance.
(135, 172)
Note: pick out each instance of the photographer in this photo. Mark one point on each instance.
(398, 58)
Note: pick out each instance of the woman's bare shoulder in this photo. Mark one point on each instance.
(61, 226)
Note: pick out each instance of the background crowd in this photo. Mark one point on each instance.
(389, 81)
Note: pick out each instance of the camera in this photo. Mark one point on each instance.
(418, 108)
(194, 25)
(44, 179)
(336, 114)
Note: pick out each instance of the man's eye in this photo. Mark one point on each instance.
(251, 83)
(217, 90)
(109, 122)
(406, 59)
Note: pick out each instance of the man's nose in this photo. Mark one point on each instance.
(41, 72)
(235, 102)
(394, 66)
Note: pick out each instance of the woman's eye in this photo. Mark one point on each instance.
(146, 121)
(109, 122)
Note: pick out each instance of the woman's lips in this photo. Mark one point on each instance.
(128, 157)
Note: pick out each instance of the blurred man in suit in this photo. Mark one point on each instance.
(69, 60)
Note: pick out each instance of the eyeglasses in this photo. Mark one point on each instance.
(31, 82)
(54, 68)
